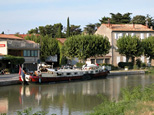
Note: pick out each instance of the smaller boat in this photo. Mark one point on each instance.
(88, 72)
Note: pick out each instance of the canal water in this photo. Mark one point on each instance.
(75, 98)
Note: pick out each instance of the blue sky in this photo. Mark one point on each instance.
(23, 15)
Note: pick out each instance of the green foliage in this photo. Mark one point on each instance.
(68, 28)
(90, 29)
(16, 60)
(49, 47)
(28, 111)
(59, 32)
(63, 60)
(138, 19)
(33, 37)
(130, 46)
(50, 30)
(117, 18)
(79, 64)
(85, 46)
(123, 64)
(129, 99)
(148, 45)
(112, 66)
(2, 32)
(120, 19)
(75, 30)
(138, 63)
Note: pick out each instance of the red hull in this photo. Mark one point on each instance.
(36, 79)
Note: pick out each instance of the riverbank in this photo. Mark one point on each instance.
(13, 79)
(126, 72)
(136, 101)
(9, 79)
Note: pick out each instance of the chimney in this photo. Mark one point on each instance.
(109, 22)
(151, 27)
(133, 26)
(146, 23)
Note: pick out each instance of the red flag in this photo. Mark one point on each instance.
(19, 70)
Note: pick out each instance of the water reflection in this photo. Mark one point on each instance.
(67, 98)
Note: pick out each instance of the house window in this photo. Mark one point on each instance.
(132, 34)
(118, 59)
(120, 35)
(148, 35)
(99, 61)
(142, 35)
(124, 59)
(142, 59)
(36, 53)
(126, 34)
(30, 53)
(93, 61)
(107, 61)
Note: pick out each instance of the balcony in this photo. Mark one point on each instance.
(16, 44)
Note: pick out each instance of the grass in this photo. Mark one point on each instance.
(135, 101)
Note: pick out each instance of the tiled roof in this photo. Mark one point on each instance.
(61, 40)
(8, 36)
(30, 41)
(24, 35)
(127, 27)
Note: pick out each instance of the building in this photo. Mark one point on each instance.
(16, 46)
(115, 31)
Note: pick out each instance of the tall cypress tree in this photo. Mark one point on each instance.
(59, 31)
(68, 28)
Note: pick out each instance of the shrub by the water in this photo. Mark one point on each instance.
(135, 101)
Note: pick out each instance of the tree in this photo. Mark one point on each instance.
(59, 32)
(2, 32)
(33, 37)
(138, 19)
(130, 47)
(148, 45)
(68, 28)
(90, 29)
(120, 19)
(33, 31)
(104, 20)
(75, 30)
(85, 46)
(57, 28)
(49, 47)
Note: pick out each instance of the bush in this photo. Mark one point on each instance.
(143, 65)
(79, 64)
(135, 67)
(138, 62)
(112, 66)
(123, 64)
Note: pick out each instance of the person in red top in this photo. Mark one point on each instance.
(97, 64)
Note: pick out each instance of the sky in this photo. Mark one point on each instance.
(23, 15)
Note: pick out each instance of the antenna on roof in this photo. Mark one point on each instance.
(108, 22)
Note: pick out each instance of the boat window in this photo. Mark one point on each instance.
(86, 72)
(68, 73)
(59, 74)
(91, 71)
(96, 71)
(75, 73)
